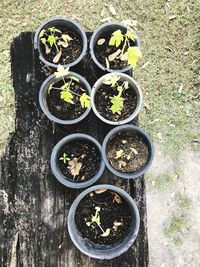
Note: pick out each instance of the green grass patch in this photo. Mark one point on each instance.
(183, 201)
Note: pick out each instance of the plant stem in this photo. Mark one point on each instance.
(64, 90)
(123, 46)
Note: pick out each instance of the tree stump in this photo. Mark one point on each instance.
(33, 204)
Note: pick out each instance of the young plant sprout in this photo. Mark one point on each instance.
(53, 40)
(117, 100)
(132, 54)
(64, 158)
(73, 165)
(65, 91)
(96, 219)
(121, 153)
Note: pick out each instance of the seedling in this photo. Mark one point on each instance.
(73, 165)
(121, 153)
(64, 158)
(117, 100)
(49, 38)
(65, 90)
(132, 54)
(96, 219)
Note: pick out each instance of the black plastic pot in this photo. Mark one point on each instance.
(103, 251)
(109, 28)
(72, 26)
(148, 142)
(134, 85)
(43, 95)
(54, 161)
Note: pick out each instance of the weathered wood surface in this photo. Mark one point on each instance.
(33, 204)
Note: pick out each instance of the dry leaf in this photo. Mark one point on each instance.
(117, 223)
(101, 41)
(107, 63)
(99, 191)
(159, 135)
(145, 65)
(63, 44)
(112, 10)
(102, 12)
(74, 166)
(106, 19)
(47, 49)
(57, 57)
(91, 194)
(121, 164)
(123, 57)
(116, 197)
(146, 106)
(172, 17)
(114, 55)
(129, 22)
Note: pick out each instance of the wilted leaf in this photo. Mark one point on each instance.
(61, 71)
(101, 41)
(63, 44)
(114, 55)
(121, 163)
(75, 166)
(106, 233)
(116, 197)
(47, 49)
(99, 191)
(107, 63)
(57, 57)
(117, 223)
(112, 10)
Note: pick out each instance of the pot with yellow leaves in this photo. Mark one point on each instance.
(103, 221)
(64, 97)
(114, 47)
(76, 161)
(61, 41)
(128, 151)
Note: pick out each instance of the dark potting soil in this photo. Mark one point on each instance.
(70, 53)
(103, 102)
(126, 140)
(105, 50)
(62, 109)
(86, 153)
(114, 214)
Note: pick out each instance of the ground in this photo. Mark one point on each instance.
(168, 75)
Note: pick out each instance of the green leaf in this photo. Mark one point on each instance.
(56, 30)
(106, 233)
(116, 38)
(42, 33)
(85, 101)
(74, 78)
(130, 35)
(132, 55)
(64, 158)
(128, 157)
(118, 102)
(134, 150)
(111, 79)
(51, 40)
(51, 29)
(66, 96)
(61, 71)
(119, 153)
(43, 40)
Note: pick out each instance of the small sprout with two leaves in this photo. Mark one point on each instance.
(49, 38)
(117, 100)
(96, 218)
(132, 54)
(65, 90)
(121, 153)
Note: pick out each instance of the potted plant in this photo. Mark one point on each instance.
(76, 161)
(103, 221)
(127, 151)
(60, 41)
(64, 97)
(116, 98)
(115, 47)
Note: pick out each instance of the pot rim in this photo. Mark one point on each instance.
(103, 251)
(42, 98)
(82, 35)
(135, 86)
(54, 167)
(92, 41)
(149, 143)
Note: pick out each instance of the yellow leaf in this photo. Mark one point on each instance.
(106, 233)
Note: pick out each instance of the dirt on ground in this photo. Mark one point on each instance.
(174, 224)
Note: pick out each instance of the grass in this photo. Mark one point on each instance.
(175, 228)
(169, 40)
(183, 201)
